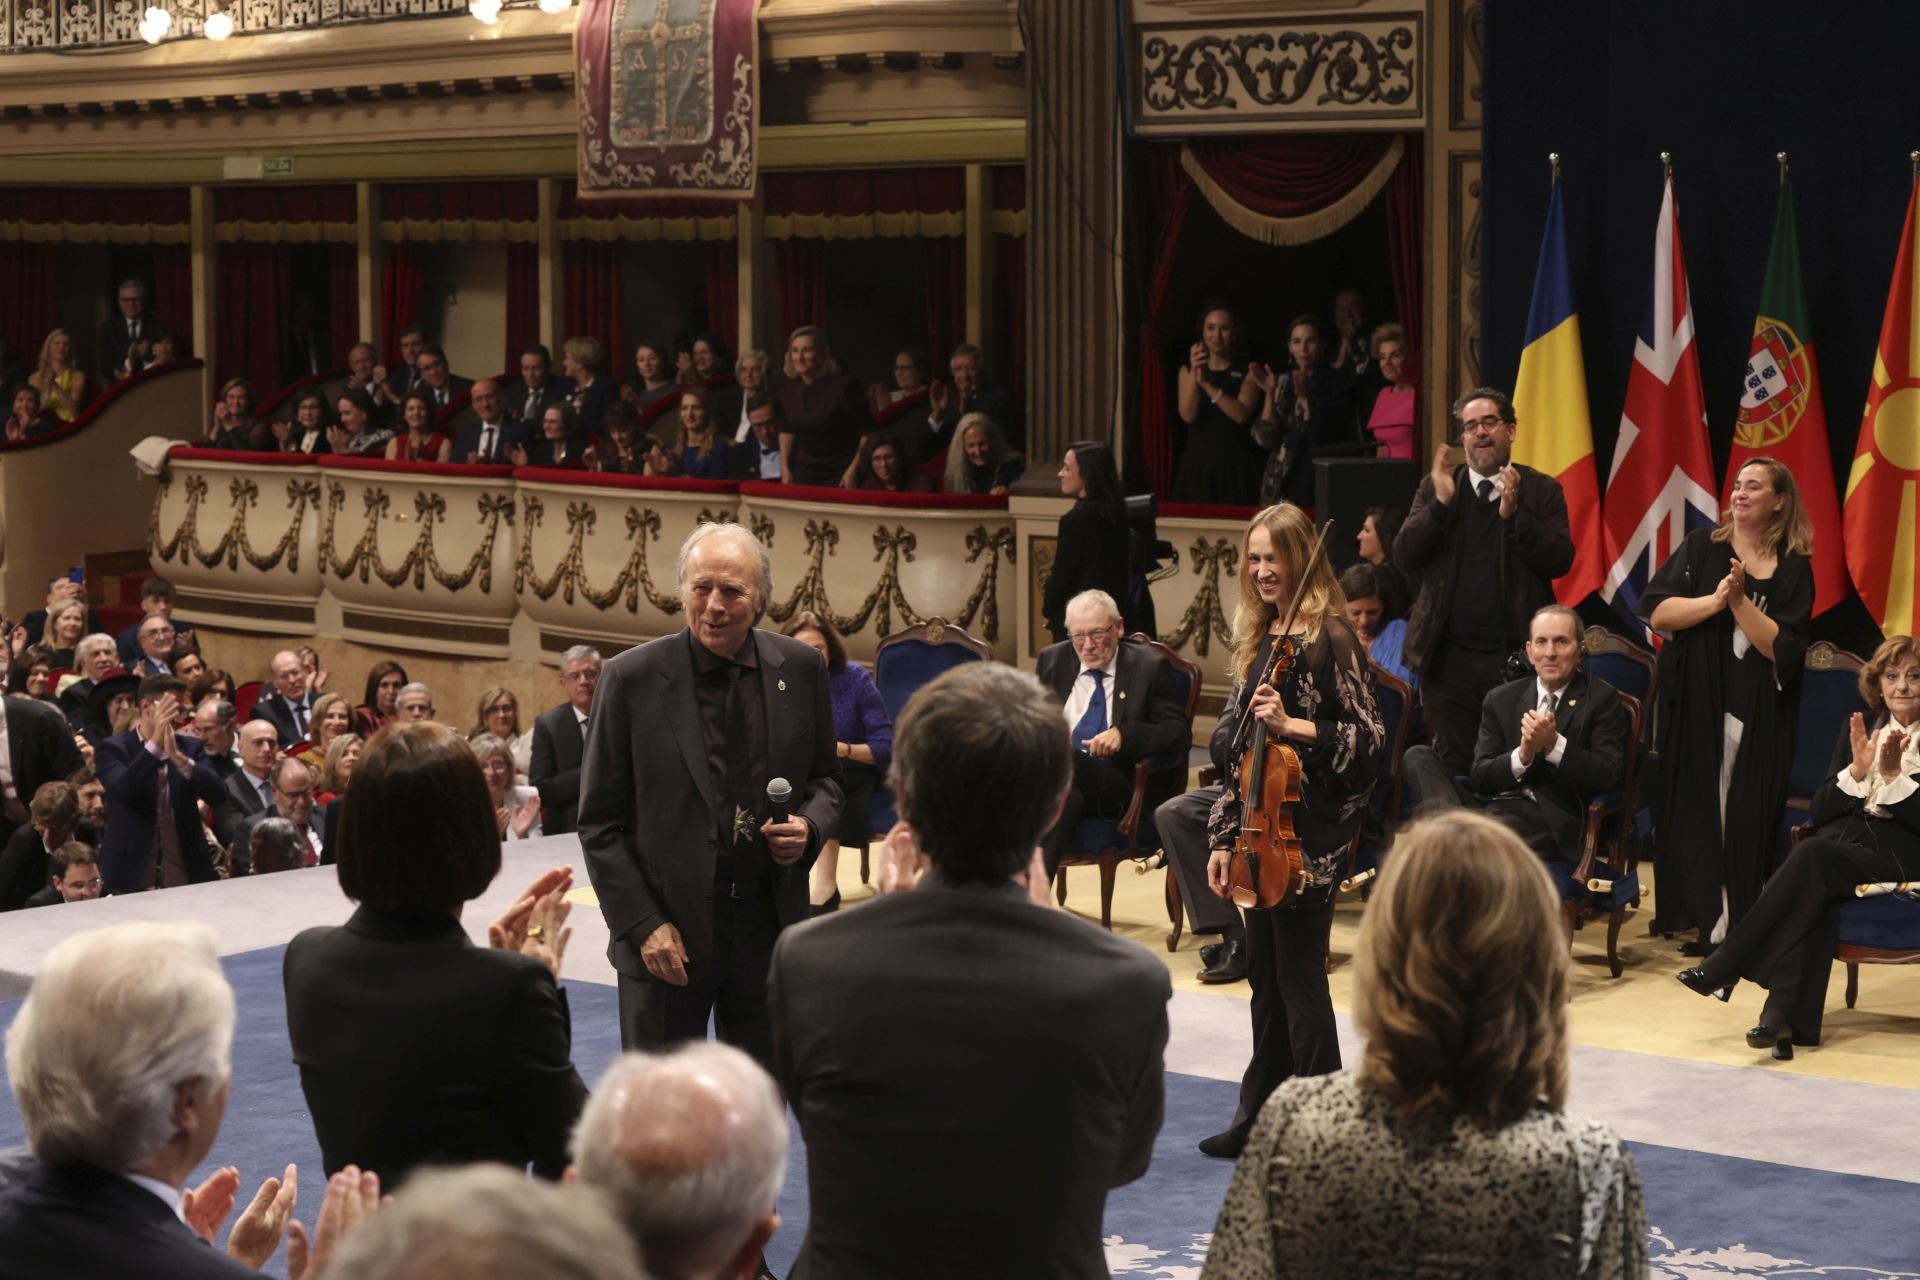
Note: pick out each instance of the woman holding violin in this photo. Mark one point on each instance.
(1310, 746)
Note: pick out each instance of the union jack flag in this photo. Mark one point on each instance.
(1660, 486)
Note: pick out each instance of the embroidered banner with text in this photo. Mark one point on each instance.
(669, 98)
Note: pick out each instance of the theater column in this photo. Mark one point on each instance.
(1073, 296)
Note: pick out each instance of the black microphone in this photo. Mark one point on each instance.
(779, 795)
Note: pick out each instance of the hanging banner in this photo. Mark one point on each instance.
(669, 98)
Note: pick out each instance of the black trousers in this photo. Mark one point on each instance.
(1433, 783)
(1293, 1028)
(657, 1015)
(1100, 789)
(1182, 824)
(1785, 941)
(1452, 687)
(858, 782)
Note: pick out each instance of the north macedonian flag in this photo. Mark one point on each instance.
(1550, 401)
(1781, 412)
(1881, 521)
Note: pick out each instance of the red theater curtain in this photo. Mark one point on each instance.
(723, 292)
(250, 321)
(30, 302)
(854, 204)
(523, 302)
(1406, 249)
(946, 267)
(173, 292)
(343, 300)
(801, 266)
(400, 285)
(592, 302)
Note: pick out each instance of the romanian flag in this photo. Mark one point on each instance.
(1781, 412)
(1881, 520)
(1550, 400)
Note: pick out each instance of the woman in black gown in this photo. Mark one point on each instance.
(1867, 816)
(1736, 601)
(1219, 463)
(1306, 408)
(1324, 709)
(1091, 552)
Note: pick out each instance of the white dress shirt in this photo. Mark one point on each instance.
(1082, 692)
(1559, 747)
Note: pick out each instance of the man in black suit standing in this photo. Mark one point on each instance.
(538, 387)
(485, 440)
(695, 871)
(289, 705)
(1032, 1066)
(36, 747)
(1485, 540)
(121, 1102)
(1120, 708)
(154, 780)
(125, 346)
(559, 736)
(405, 375)
(1547, 746)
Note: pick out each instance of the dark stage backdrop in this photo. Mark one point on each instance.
(1609, 84)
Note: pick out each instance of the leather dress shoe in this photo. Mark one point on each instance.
(1211, 952)
(1224, 1146)
(1775, 1033)
(1697, 981)
(1229, 966)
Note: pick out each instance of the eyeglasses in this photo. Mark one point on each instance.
(1493, 422)
(502, 709)
(581, 677)
(162, 631)
(1087, 637)
(82, 884)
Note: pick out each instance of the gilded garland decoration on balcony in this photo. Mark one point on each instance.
(668, 98)
(234, 543)
(570, 575)
(1204, 617)
(430, 509)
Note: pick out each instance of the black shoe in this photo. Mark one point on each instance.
(1696, 948)
(1697, 981)
(1224, 1146)
(1773, 1033)
(822, 908)
(1230, 966)
(1211, 952)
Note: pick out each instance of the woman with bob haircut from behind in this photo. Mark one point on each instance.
(1448, 1152)
(415, 1046)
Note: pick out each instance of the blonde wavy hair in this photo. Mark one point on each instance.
(1460, 976)
(1320, 595)
(1790, 529)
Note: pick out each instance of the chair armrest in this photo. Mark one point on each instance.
(1599, 809)
(1209, 776)
(1798, 833)
(1128, 828)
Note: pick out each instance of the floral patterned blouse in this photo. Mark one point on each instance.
(1328, 684)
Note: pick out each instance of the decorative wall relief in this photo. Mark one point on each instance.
(1206, 616)
(1195, 78)
(1463, 271)
(235, 544)
(570, 575)
(421, 560)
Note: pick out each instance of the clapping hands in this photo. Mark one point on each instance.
(532, 926)
(1538, 733)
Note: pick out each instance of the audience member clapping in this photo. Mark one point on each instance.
(582, 361)
(690, 1149)
(58, 377)
(972, 392)
(307, 432)
(485, 440)
(404, 377)
(863, 739)
(1307, 405)
(125, 342)
(1460, 987)
(234, 425)
(981, 462)
(358, 433)
(515, 808)
(470, 1059)
(288, 706)
(385, 679)
(74, 869)
(418, 441)
(362, 365)
(538, 385)
(560, 442)
(622, 448)
(909, 379)
(697, 454)
(28, 418)
(155, 637)
(891, 474)
(499, 715)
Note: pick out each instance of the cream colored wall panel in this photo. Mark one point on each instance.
(240, 543)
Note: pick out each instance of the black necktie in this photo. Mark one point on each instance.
(1486, 491)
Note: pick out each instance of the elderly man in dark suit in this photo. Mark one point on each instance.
(125, 346)
(291, 702)
(1120, 707)
(291, 783)
(1485, 540)
(559, 737)
(941, 1078)
(1548, 744)
(247, 790)
(37, 747)
(696, 872)
(154, 781)
(485, 440)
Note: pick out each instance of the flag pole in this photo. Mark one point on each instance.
(1553, 158)
(1666, 164)
(1913, 158)
(1781, 157)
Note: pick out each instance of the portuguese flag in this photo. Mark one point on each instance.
(1881, 523)
(1781, 414)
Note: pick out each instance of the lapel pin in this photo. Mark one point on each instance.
(1123, 695)
(783, 686)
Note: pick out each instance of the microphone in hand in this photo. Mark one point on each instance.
(779, 796)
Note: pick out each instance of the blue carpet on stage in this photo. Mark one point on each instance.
(1709, 1215)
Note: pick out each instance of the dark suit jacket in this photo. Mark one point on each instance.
(272, 707)
(554, 769)
(557, 388)
(39, 750)
(239, 800)
(1003, 1068)
(468, 1059)
(111, 347)
(456, 387)
(77, 1222)
(1539, 545)
(130, 773)
(1596, 726)
(467, 440)
(1091, 553)
(648, 820)
(1141, 704)
(743, 460)
(25, 868)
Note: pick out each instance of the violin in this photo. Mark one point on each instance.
(1268, 864)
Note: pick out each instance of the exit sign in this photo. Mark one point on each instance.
(276, 166)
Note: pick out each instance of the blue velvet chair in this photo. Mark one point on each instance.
(1829, 695)
(1882, 929)
(904, 662)
(1105, 842)
(1630, 669)
(1606, 880)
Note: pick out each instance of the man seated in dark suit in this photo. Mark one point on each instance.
(1007, 1085)
(156, 646)
(405, 375)
(156, 596)
(539, 387)
(920, 438)
(292, 787)
(155, 780)
(436, 379)
(1182, 824)
(121, 1066)
(554, 769)
(74, 870)
(39, 749)
(690, 1149)
(1120, 706)
(486, 440)
(26, 863)
(1547, 745)
(288, 706)
(247, 790)
(758, 456)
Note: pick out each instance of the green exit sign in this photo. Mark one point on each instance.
(276, 166)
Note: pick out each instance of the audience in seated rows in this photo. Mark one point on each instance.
(291, 798)
(623, 449)
(486, 440)
(560, 442)
(310, 426)
(58, 377)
